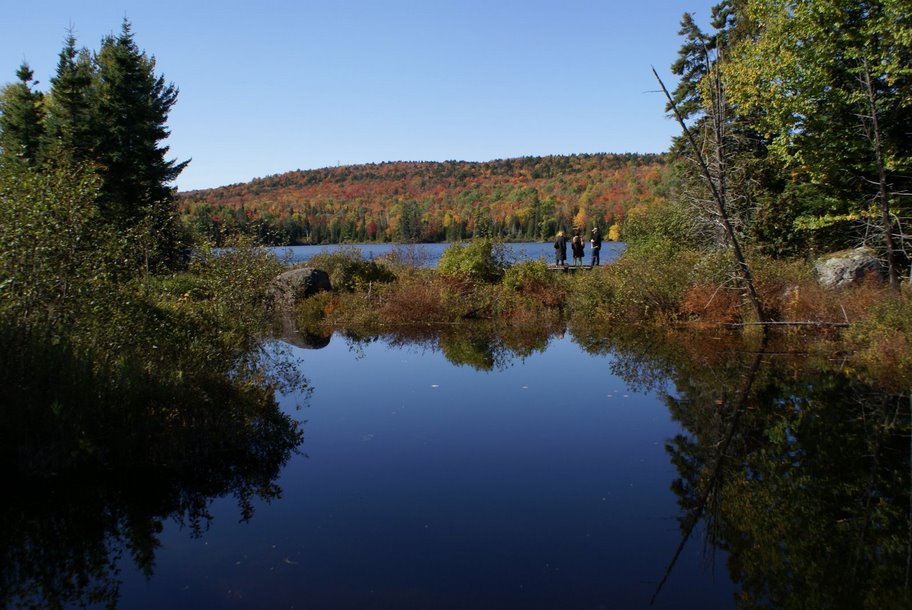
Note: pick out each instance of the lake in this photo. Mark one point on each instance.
(429, 254)
(578, 471)
(426, 484)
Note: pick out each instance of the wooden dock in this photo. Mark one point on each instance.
(569, 268)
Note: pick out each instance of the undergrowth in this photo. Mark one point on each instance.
(655, 285)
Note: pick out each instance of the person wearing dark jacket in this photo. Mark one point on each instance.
(596, 242)
(560, 249)
(577, 245)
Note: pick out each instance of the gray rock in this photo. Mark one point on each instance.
(296, 284)
(847, 267)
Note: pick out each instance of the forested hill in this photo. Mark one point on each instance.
(526, 198)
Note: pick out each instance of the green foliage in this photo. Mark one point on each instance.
(794, 222)
(108, 110)
(410, 222)
(827, 84)
(670, 222)
(528, 277)
(54, 259)
(481, 260)
(645, 285)
(21, 115)
(349, 270)
(70, 123)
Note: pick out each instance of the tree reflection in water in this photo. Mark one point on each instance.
(483, 346)
(91, 475)
(791, 464)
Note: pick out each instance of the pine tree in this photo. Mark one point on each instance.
(130, 112)
(70, 104)
(132, 106)
(21, 118)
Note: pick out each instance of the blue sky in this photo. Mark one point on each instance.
(271, 86)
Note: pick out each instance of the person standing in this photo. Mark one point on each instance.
(596, 242)
(577, 245)
(560, 249)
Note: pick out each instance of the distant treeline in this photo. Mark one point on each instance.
(528, 198)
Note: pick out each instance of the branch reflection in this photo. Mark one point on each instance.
(794, 466)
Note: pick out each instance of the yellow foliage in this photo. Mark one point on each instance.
(581, 219)
(614, 232)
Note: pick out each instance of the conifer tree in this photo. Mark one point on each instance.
(131, 108)
(21, 117)
(70, 104)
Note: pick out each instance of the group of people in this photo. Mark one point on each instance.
(578, 246)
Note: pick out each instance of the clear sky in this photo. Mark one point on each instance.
(273, 86)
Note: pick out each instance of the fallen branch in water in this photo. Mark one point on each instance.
(791, 323)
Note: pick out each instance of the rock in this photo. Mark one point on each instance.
(296, 284)
(847, 267)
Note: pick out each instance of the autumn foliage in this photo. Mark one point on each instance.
(528, 198)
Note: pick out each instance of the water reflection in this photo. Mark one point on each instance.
(89, 478)
(793, 466)
(787, 462)
(483, 346)
(462, 486)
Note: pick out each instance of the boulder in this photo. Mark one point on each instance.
(296, 284)
(847, 267)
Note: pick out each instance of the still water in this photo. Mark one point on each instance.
(429, 254)
(424, 484)
(461, 470)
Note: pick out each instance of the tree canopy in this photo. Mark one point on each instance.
(108, 110)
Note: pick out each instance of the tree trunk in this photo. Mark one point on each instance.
(719, 198)
(883, 200)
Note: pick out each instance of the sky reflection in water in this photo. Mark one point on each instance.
(424, 484)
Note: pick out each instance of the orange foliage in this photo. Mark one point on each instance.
(522, 198)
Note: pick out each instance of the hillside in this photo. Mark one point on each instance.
(528, 198)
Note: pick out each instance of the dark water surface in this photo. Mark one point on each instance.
(452, 472)
(425, 484)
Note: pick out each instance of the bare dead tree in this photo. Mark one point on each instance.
(717, 184)
(872, 126)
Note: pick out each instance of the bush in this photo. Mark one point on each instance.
(881, 340)
(665, 221)
(647, 284)
(482, 260)
(528, 277)
(349, 271)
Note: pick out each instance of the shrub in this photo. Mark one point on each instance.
(528, 277)
(482, 260)
(881, 340)
(648, 283)
(417, 298)
(348, 269)
(665, 221)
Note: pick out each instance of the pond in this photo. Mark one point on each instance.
(570, 471)
(429, 254)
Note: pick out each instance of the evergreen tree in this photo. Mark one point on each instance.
(131, 109)
(69, 105)
(131, 106)
(21, 118)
